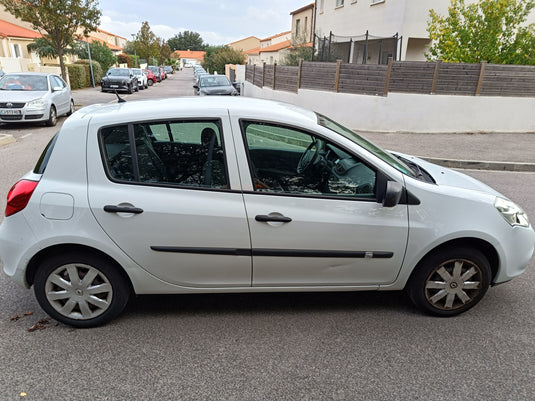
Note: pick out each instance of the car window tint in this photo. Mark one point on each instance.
(287, 160)
(117, 153)
(184, 153)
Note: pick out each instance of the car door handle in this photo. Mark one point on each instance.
(264, 217)
(122, 209)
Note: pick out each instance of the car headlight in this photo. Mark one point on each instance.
(36, 104)
(511, 212)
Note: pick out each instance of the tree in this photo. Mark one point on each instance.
(489, 30)
(217, 57)
(99, 52)
(57, 20)
(298, 52)
(146, 43)
(187, 40)
(164, 50)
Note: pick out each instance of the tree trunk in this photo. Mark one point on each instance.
(62, 64)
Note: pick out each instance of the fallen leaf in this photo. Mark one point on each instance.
(40, 325)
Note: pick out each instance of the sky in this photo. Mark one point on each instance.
(218, 22)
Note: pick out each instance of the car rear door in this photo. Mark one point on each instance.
(167, 193)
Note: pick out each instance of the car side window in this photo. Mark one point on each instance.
(287, 160)
(177, 153)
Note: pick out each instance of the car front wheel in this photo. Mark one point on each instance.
(81, 290)
(450, 281)
(52, 117)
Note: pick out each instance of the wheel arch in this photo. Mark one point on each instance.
(42, 255)
(483, 246)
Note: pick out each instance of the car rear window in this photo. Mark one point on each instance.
(45, 156)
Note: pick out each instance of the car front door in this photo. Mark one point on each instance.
(60, 94)
(313, 214)
(165, 197)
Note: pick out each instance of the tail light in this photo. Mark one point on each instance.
(19, 195)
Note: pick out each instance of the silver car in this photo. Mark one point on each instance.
(229, 194)
(34, 97)
(215, 85)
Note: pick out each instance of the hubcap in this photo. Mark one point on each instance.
(453, 284)
(78, 291)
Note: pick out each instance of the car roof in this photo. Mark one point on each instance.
(34, 74)
(198, 106)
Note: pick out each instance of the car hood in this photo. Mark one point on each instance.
(446, 177)
(20, 96)
(218, 90)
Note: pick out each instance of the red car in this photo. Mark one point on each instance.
(151, 78)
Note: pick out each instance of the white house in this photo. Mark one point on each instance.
(370, 31)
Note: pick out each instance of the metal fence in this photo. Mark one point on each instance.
(398, 76)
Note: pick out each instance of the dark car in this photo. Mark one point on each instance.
(210, 85)
(119, 79)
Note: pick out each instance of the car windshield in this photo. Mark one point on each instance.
(216, 80)
(119, 71)
(16, 82)
(364, 143)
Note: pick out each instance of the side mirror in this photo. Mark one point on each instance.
(196, 87)
(57, 88)
(393, 193)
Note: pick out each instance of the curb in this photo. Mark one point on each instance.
(482, 165)
(6, 138)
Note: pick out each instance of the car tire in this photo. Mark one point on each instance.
(81, 290)
(146, 86)
(137, 88)
(129, 89)
(71, 109)
(150, 82)
(450, 281)
(52, 117)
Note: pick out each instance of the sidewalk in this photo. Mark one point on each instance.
(493, 151)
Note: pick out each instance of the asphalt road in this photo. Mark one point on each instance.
(339, 346)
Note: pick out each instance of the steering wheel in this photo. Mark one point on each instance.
(309, 156)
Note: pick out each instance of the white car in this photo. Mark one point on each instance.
(34, 97)
(141, 78)
(230, 194)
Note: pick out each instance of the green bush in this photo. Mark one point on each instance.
(77, 78)
(97, 71)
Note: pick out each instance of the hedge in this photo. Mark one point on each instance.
(97, 71)
(77, 78)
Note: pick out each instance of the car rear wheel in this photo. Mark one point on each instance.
(52, 117)
(129, 90)
(81, 290)
(450, 281)
(150, 82)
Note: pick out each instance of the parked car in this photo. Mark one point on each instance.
(141, 78)
(168, 69)
(246, 195)
(163, 74)
(156, 71)
(33, 97)
(151, 78)
(119, 79)
(211, 85)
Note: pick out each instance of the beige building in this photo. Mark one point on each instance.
(272, 49)
(244, 45)
(302, 24)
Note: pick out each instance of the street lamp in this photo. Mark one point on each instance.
(90, 63)
(133, 41)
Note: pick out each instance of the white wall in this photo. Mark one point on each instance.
(412, 113)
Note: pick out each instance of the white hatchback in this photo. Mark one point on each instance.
(200, 195)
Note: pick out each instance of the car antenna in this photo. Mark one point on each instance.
(119, 98)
